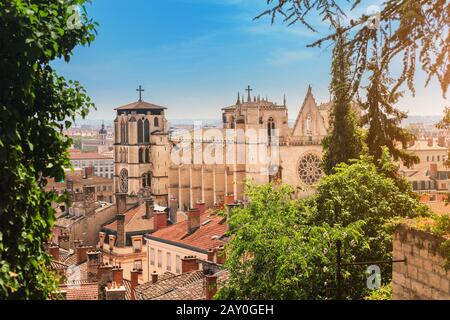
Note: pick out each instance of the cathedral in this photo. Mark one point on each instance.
(147, 158)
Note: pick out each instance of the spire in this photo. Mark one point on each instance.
(284, 100)
(239, 99)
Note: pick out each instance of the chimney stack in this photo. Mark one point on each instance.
(228, 199)
(81, 252)
(117, 275)
(430, 142)
(211, 254)
(104, 276)
(149, 207)
(88, 172)
(101, 239)
(154, 277)
(121, 202)
(134, 282)
(173, 209)
(94, 261)
(441, 141)
(193, 220)
(159, 220)
(220, 257)
(188, 264)
(121, 231)
(54, 251)
(115, 292)
(111, 241)
(201, 206)
(211, 286)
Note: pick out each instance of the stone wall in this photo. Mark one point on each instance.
(423, 276)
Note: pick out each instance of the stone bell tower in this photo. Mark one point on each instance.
(142, 150)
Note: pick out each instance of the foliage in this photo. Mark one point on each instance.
(275, 254)
(384, 120)
(359, 192)
(384, 293)
(36, 106)
(344, 141)
(414, 30)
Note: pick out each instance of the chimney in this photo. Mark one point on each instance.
(201, 206)
(117, 275)
(211, 286)
(441, 141)
(81, 252)
(69, 185)
(433, 170)
(115, 292)
(154, 277)
(211, 253)
(159, 220)
(89, 193)
(188, 264)
(54, 252)
(121, 230)
(134, 282)
(220, 257)
(430, 142)
(173, 209)
(193, 220)
(111, 241)
(101, 239)
(94, 261)
(64, 241)
(88, 172)
(121, 202)
(149, 208)
(228, 199)
(104, 276)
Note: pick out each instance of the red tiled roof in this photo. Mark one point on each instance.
(439, 207)
(82, 291)
(212, 228)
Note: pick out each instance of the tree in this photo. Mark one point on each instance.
(282, 248)
(36, 105)
(384, 120)
(344, 141)
(360, 192)
(275, 255)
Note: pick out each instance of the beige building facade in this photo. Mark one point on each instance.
(255, 143)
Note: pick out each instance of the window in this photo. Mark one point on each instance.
(140, 128)
(137, 246)
(146, 180)
(438, 158)
(168, 261)
(156, 122)
(141, 155)
(152, 256)
(159, 259)
(178, 264)
(147, 155)
(428, 158)
(432, 158)
(146, 131)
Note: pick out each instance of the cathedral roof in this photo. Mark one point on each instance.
(141, 105)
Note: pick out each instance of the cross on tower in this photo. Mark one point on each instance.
(140, 90)
(249, 90)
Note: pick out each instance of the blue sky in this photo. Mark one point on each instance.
(193, 56)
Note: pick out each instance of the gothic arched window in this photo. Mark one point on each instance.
(122, 132)
(123, 181)
(141, 155)
(147, 155)
(140, 133)
(146, 131)
(146, 180)
(233, 123)
(156, 122)
(270, 128)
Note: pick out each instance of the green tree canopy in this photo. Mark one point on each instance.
(36, 105)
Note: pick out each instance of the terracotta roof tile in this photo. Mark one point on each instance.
(82, 291)
(75, 155)
(134, 220)
(208, 236)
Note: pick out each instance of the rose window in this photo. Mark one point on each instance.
(309, 169)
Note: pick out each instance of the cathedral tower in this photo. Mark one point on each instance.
(142, 151)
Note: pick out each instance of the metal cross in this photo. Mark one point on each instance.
(140, 90)
(249, 90)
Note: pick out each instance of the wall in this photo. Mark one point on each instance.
(422, 277)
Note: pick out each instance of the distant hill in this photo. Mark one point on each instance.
(422, 119)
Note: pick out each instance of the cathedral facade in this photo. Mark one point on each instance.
(255, 143)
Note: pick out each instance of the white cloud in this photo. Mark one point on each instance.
(287, 57)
